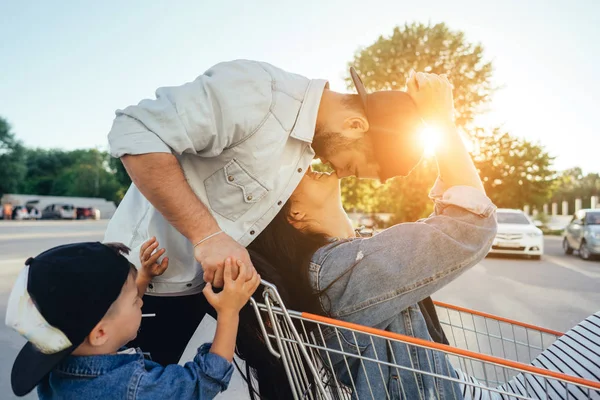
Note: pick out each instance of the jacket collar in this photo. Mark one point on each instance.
(307, 117)
(97, 365)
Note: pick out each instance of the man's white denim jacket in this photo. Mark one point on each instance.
(241, 132)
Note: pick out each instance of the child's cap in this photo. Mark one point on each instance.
(58, 298)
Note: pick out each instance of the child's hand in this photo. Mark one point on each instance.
(236, 293)
(150, 267)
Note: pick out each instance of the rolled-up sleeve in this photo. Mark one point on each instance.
(203, 378)
(370, 280)
(203, 117)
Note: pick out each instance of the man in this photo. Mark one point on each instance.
(213, 160)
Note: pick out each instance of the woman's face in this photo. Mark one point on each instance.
(317, 205)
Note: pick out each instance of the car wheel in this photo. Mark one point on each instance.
(584, 252)
(567, 247)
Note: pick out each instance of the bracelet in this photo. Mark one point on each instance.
(206, 238)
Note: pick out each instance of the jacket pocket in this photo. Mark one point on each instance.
(232, 191)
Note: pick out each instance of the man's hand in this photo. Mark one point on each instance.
(212, 253)
(432, 94)
(236, 292)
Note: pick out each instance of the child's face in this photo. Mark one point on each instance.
(126, 313)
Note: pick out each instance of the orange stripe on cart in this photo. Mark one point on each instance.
(452, 350)
(497, 318)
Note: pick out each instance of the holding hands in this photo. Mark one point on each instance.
(236, 292)
(432, 94)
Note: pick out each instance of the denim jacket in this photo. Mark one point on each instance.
(378, 281)
(127, 375)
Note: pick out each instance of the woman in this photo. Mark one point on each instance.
(321, 267)
(310, 252)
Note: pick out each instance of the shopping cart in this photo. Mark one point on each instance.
(490, 352)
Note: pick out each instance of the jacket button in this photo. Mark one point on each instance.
(230, 178)
(249, 198)
(279, 203)
(299, 169)
(252, 232)
(151, 286)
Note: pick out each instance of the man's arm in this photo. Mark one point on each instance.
(159, 177)
(202, 117)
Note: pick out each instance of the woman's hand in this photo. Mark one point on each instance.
(236, 292)
(432, 94)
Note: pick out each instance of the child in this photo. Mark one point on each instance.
(78, 304)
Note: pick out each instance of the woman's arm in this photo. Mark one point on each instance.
(369, 281)
(433, 96)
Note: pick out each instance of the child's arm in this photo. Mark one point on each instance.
(150, 266)
(203, 378)
(210, 372)
(228, 304)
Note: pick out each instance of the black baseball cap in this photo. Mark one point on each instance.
(394, 128)
(59, 297)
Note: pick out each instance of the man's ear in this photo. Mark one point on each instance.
(99, 335)
(356, 124)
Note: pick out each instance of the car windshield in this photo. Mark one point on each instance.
(592, 218)
(512, 218)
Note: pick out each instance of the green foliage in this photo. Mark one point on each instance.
(386, 64)
(515, 172)
(573, 184)
(79, 173)
(12, 160)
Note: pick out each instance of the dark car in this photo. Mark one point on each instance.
(583, 234)
(59, 211)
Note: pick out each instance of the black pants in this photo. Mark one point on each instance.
(166, 335)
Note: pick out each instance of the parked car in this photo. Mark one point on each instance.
(583, 234)
(34, 213)
(20, 213)
(59, 211)
(517, 235)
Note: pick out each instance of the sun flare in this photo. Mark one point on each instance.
(430, 138)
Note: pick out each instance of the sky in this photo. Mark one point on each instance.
(65, 67)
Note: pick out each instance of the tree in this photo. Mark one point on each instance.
(572, 184)
(80, 173)
(386, 64)
(43, 167)
(514, 171)
(12, 160)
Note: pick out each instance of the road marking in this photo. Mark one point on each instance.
(572, 267)
(48, 235)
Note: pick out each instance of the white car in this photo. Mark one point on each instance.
(517, 235)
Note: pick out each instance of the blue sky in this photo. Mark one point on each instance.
(66, 68)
